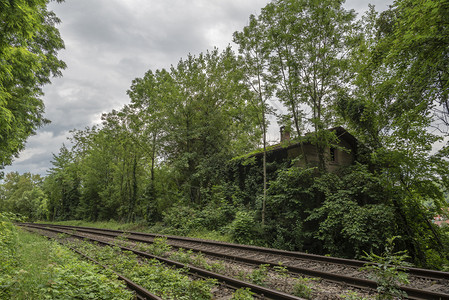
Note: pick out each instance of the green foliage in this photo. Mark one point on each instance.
(302, 288)
(34, 268)
(28, 47)
(399, 93)
(244, 229)
(151, 274)
(24, 195)
(188, 219)
(258, 276)
(355, 216)
(182, 256)
(159, 246)
(290, 196)
(80, 279)
(387, 270)
(62, 186)
(243, 294)
(282, 272)
(8, 255)
(351, 295)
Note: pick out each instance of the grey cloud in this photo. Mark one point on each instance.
(361, 7)
(38, 153)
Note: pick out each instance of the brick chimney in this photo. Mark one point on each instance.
(285, 134)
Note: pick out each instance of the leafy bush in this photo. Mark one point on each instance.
(245, 229)
(259, 275)
(159, 247)
(182, 219)
(290, 197)
(214, 215)
(387, 270)
(302, 288)
(355, 216)
(243, 294)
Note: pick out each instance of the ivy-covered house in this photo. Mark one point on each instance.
(291, 192)
(246, 172)
(343, 151)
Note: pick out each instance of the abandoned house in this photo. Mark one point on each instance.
(342, 153)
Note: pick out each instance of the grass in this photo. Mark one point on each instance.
(46, 270)
(33, 257)
(114, 225)
(141, 227)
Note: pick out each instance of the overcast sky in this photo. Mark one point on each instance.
(108, 43)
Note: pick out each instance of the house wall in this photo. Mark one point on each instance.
(342, 157)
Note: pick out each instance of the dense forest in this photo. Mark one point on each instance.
(181, 156)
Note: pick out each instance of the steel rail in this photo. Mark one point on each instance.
(412, 293)
(301, 255)
(263, 291)
(356, 282)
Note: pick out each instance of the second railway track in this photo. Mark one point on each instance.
(424, 284)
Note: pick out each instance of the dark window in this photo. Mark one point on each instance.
(333, 154)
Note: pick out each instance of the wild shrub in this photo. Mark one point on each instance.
(182, 256)
(182, 219)
(355, 215)
(243, 294)
(159, 247)
(218, 212)
(259, 275)
(302, 288)
(291, 196)
(211, 216)
(245, 229)
(387, 270)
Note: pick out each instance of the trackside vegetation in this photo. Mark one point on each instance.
(188, 155)
(32, 267)
(166, 282)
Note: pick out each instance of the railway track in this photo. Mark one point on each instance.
(140, 292)
(425, 284)
(262, 292)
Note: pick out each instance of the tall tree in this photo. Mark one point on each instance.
(391, 113)
(255, 56)
(62, 185)
(153, 99)
(308, 43)
(210, 117)
(417, 42)
(28, 47)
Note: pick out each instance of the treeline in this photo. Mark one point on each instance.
(173, 158)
